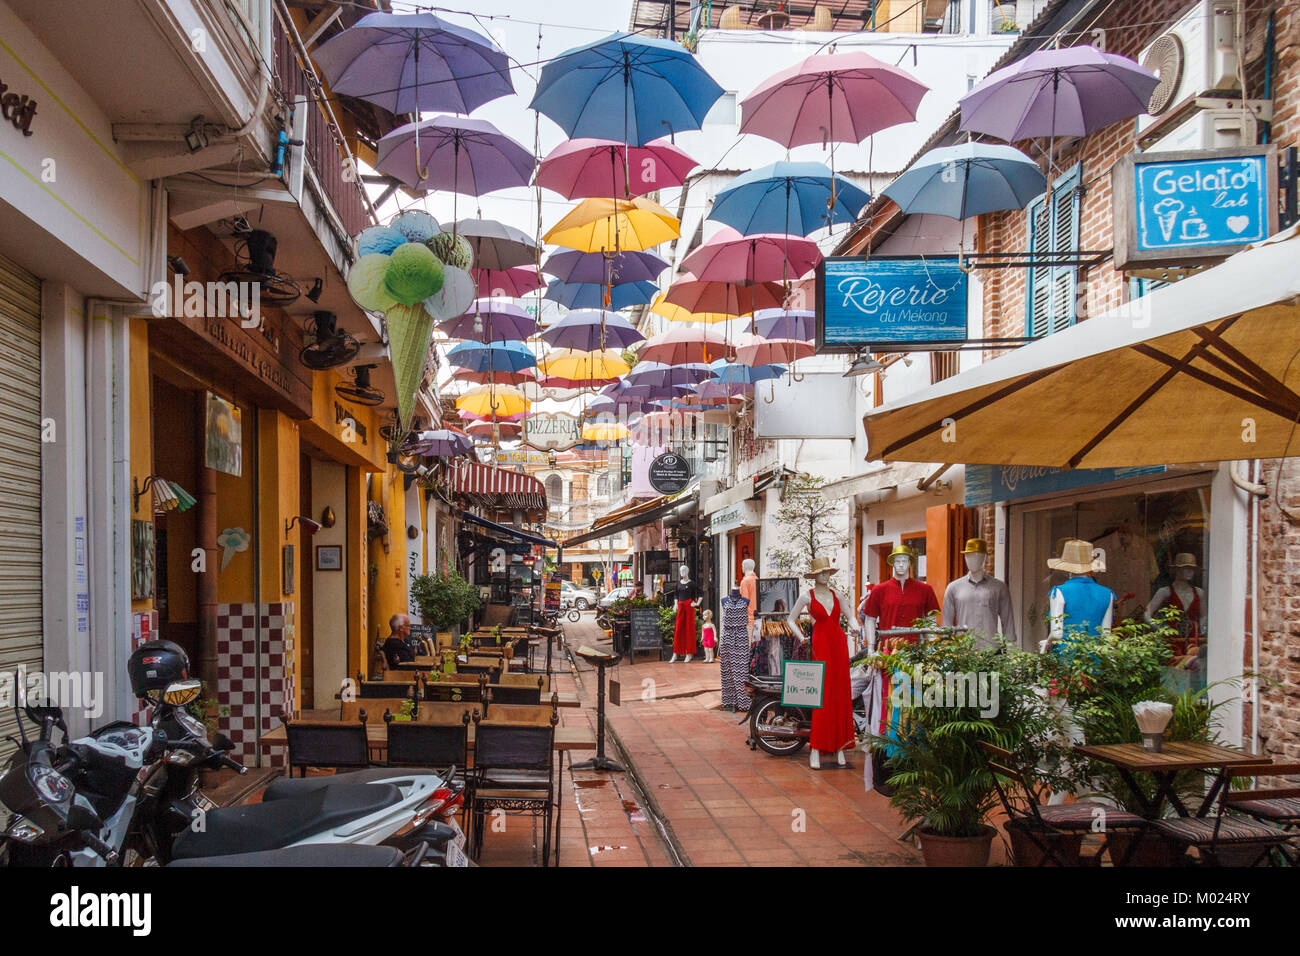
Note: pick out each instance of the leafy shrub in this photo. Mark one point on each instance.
(445, 600)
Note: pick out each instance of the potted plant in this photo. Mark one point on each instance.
(1004, 17)
(445, 600)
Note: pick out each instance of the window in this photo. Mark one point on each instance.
(942, 365)
(1053, 227)
(555, 491)
(602, 484)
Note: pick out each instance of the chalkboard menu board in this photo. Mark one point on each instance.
(646, 635)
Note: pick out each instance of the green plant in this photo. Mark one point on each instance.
(207, 710)
(809, 521)
(445, 600)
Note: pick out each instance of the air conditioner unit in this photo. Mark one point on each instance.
(1210, 129)
(1194, 58)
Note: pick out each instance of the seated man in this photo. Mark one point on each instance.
(397, 648)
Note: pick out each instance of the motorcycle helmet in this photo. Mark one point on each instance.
(155, 664)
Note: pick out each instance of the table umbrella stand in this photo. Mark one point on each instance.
(600, 761)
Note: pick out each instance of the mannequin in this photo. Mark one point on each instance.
(733, 652)
(708, 637)
(1080, 603)
(978, 601)
(684, 630)
(1189, 599)
(749, 588)
(832, 723)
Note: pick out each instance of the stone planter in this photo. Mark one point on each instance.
(956, 851)
(1063, 847)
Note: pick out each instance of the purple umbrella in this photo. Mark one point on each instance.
(657, 374)
(608, 405)
(615, 269)
(454, 154)
(590, 330)
(412, 62)
(491, 320)
(784, 324)
(507, 283)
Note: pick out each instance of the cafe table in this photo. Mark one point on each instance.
(1132, 758)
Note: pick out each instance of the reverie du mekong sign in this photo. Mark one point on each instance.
(1182, 206)
(885, 300)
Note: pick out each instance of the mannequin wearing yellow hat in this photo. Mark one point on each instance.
(978, 601)
(901, 600)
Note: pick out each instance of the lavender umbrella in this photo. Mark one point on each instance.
(454, 154)
(491, 320)
(656, 374)
(784, 324)
(590, 330)
(439, 442)
(615, 269)
(507, 283)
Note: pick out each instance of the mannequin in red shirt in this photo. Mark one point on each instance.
(898, 602)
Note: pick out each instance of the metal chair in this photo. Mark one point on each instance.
(337, 745)
(1226, 839)
(513, 694)
(514, 772)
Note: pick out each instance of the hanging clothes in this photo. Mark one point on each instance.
(733, 654)
(832, 723)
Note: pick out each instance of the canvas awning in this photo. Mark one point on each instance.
(634, 516)
(489, 487)
(505, 531)
(1206, 369)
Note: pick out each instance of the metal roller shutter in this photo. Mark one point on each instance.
(20, 477)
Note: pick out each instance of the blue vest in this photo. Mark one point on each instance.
(1086, 604)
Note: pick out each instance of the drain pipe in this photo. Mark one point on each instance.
(1256, 469)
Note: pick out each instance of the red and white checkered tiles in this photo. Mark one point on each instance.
(238, 688)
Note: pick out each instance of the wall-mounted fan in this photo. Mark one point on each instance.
(330, 346)
(255, 254)
(360, 390)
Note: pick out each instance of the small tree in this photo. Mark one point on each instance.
(444, 600)
(809, 522)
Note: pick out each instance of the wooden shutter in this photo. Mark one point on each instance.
(1053, 228)
(1038, 302)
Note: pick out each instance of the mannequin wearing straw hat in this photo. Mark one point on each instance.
(1079, 602)
(978, 601)
(1190, 601)
(832, 723)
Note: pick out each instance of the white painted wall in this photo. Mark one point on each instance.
(329, 588)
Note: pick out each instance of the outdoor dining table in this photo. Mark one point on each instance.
(1133, 758)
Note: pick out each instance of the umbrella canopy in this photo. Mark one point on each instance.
(494, 356)
(507, 283)
(784, 324)
(557, 383)
(438, 443)
(614, 224)
(492, 400)
(675, 313)
(714, 390)
(1070, 91)
(496, 245)
(575, 364)
(584, 168)
(491, 320)
(454, 154)
(519, 416)
(591, 295)
(625, 88)
(494, 378)
(730, 257)
(611, 268)
(651, 374)
(609, 405)
(787, 198)
(604, 431)
(487, 430)
(771, 351)
(681, 345)
(967, 180)
(728, 298)
(734, 373)
(835, 97)
(590, 329)
(407, 63)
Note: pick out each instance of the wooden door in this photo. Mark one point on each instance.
(743, 547)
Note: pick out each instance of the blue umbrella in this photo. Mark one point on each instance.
(736, 373)
(493, 357)
(784, 324)
(616, 269)
(625, 88)
(968, 180)
(591, 295)
(408, 62)
(787, 198)
(590, 330)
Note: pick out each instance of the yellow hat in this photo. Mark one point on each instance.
(976, 546)
(1185, 559)
(902, 549)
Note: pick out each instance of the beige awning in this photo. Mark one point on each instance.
(1190, 372)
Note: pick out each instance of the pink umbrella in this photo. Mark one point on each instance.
(490, 378)
(470, 416)
(835, 97)
(752, 350)
(685, 345)
(554, 381)
(504, 429)
(763, 257)
(726, 298)
(507, 283)
(587, 168)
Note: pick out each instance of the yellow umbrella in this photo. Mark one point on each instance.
(604, 431)
(632, 225)
(675, 313)
(493, 399)
(576, 365)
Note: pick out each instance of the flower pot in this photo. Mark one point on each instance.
(1152, 849)
(956, 851)
(1026, 850)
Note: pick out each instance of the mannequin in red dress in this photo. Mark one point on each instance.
(832, 723)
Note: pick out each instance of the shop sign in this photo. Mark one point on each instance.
(520, 456)
(557, 431)
(889, 300)
(669, 473)
(801, 683)
(986, 484)
(1179, 206)
(17, 108)
(739, 515)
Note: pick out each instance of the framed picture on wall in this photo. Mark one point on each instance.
(286, 585)
(329, 557)
(224, 439)
(142, 560)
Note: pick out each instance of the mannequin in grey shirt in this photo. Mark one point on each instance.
(978, 601)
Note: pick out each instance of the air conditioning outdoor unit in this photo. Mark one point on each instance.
(1210, 129)
(1195, 57)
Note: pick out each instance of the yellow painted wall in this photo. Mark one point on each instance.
(278, 502)
(388, 554)
(141, 448)
(235, 510)
(360, 445)
(358, 574)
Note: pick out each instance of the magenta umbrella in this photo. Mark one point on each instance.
(752, 350)
(763, 257)
(507, 283)
(835, 97)
(726, 298)
(587, 168)
(685, 345)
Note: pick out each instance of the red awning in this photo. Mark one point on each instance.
(490, 487)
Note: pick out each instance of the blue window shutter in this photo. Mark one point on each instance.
(1054, 227)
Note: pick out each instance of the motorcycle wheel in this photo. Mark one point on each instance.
(575, 615)
(766, 714)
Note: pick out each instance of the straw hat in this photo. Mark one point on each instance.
(903, 550)
(976, 546)
(1185, 559)
(818, 566)
(1076, 557)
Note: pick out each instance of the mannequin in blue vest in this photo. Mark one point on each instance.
(1079, 603)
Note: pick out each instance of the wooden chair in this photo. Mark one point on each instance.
(522, 713)
(454, 690)
(1224, 839)
(370, 689)
(526, 680)
(445, 711)
(374, 708)
(1042, 824)
(514, 694)
(514, 772)
(327, 744)
(425, 744)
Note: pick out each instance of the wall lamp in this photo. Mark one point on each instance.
(168, 495)
(307, 524)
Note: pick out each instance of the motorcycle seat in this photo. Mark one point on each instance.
(288, 787)
(282, 823)
(316, 854)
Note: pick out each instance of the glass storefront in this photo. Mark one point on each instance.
(1143, 535)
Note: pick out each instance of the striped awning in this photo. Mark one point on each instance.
(489, 487)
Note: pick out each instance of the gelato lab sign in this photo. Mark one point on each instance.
(889, 300)
(1179, 207)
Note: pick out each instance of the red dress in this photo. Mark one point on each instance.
(684, 629)
(832, 723)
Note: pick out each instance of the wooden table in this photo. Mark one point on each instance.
(1176, 756)
(566, 738)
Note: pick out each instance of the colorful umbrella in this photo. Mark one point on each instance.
(491, 431)
(437, 443)
(556, 383)
(494, 378)
(454, 154)
(831, 97)
(576, 364)
(584, 168)
(728, 298)
(752, 351)
(507, 283)
(681, 345)
(713, 390)
(787, 198)
(675, 313)
(784, 324)
(590, 329)
(492, 399)
(491, 320)
(731, 257)
(657, 375)
(630, 89)
(407, 63)
(591, 295)
(596, 225)
(496, 245)
(736, 373)
(604, 432)
(967, 180)
(609, 405)
(606, 268)
(510, 356)
(469, 416)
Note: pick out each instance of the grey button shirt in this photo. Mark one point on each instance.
(979, 606)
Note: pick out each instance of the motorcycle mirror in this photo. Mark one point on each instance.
(84, 818)
(39, 713)
(222, 742)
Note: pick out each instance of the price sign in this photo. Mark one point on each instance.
(801, 683)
